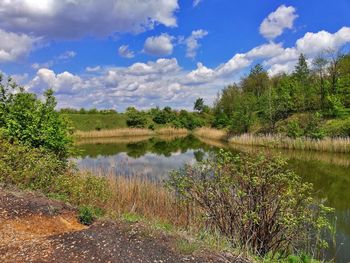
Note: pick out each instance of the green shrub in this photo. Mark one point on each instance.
(28, 120)
(135, 119)
(37, 169)
(338, 127)
(294, 130)
(88, 214)
(255, 201)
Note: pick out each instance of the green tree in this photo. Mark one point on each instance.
(135, 118)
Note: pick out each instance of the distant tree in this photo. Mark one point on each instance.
(256, 82)
(320, 64)
(199, 105)
(135, 118)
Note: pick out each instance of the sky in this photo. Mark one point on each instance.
(146, 53)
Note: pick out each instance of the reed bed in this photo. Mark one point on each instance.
(129, 132)
(340, 145)
(111, 140)
(211, 133)
(137, 195)
(124, 132)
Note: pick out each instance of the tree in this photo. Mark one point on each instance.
(319, 64)
(30, 121)
(199, 105)
(256, 82)
(135, 118)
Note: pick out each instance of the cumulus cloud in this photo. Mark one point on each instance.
(14, 46)
(192, 44)
(159, 45)
(274, 25)
(125, 52)
(164, 82)
(68, 19)
(313, 43)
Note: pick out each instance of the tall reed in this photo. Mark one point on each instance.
(341, 145)
(129, 132)
(211, 133)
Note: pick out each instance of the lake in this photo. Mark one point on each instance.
(154, 158)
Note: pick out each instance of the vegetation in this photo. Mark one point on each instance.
(341, 145)
(263, 104)
(27, 120)
(255, 201)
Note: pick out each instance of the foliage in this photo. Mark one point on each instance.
(135, 119)
(88, 214)
(260, 102)
(38, 169)
(30, 121)
(255, 201)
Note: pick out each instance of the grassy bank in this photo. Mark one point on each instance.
(340, 145)
(129, 132)
(93, 122)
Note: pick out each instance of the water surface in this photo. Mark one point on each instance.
(154, 158)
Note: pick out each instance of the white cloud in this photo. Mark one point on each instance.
(14, 46)
(67, 19)
(125, 52)
(192, 42)
(163, 82)
(93, 69)
(313, 43)
(67, 55)
(277, 21)
(159, 46)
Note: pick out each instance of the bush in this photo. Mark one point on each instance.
(28, 120)
(135, 119)
(88, 214)
(40, 170)
(294, 130)
(254, 200)
(338, 127)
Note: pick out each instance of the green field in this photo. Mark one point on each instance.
(89, 122)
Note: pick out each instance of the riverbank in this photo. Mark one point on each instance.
(129, 132)
(336, 145)
(38, 229)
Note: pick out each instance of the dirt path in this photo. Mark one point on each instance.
(35, 229)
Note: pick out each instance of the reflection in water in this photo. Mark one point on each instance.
(154, 158)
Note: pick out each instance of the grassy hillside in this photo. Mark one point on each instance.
(89, 122)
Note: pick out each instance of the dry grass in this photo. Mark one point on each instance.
(341, 145)
(140, 196)
(111, 140)
(129, 132)
(211, 133)
(125, 132)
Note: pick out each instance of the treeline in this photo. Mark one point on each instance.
(87, 111)
(296, 104)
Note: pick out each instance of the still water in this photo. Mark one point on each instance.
(154, 158)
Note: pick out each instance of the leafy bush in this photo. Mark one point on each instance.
(88, 214)
(135, 119)
(255, 201)
(338, 127)
(28, 120)
(37, 169)
(294, 130)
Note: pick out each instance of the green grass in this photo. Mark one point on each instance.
(93, 122)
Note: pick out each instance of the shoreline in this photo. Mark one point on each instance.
(333, 145)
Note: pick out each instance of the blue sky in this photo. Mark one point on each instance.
(120, 53)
